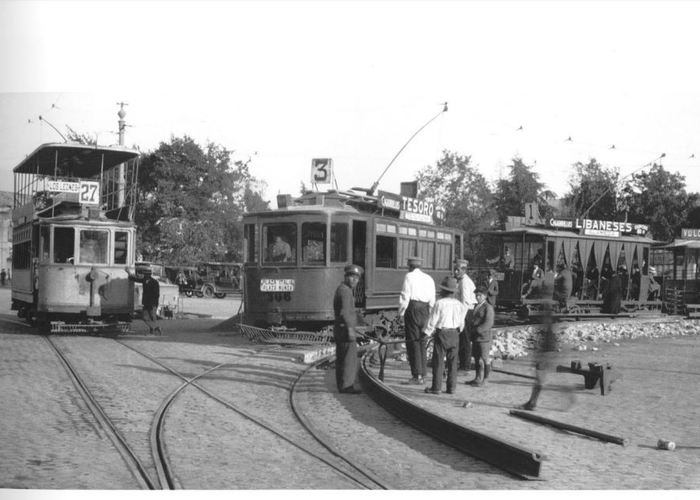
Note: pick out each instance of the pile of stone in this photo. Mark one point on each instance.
(516, 342)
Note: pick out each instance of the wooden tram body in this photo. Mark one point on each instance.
(676, 266)
(590, 255)
(73, 234)
(325, 232)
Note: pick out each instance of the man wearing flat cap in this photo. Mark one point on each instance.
(465, 294)
(416, 299)
(446, 320)
(344, 331)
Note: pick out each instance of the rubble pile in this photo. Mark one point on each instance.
(516, 342)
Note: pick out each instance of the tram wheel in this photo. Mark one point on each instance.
(219, 295)
(199, 294)
(189, 293)
(208, 292)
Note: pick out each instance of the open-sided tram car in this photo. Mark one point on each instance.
(676, 265)
(591, 249)
(295, 255)
(73, 234)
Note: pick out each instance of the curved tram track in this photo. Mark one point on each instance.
(165, 477)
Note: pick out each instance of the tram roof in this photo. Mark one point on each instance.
(535, 231)
(682, 244)
(82, 160)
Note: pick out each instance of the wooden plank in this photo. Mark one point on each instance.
(573, 428)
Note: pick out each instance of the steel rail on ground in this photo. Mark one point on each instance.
(514, 459)
(132, 462)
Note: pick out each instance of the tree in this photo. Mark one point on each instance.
(521, 186)
(73, 136)
(464, 194)
(659, 198)
(190, 202)
(593, 192)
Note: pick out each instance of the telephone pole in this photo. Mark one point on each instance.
(121, 181)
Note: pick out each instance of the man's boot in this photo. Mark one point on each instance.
(532, 402)
(477, 382)
(487, 372)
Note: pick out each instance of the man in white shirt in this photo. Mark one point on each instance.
(416, 299)
(446, 320)
(465, 294)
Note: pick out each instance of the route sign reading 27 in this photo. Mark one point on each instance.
(321, 170)
(89, 193)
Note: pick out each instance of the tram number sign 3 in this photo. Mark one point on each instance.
(321, 170)
(277, 285)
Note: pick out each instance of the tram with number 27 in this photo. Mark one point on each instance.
(295, 255)
(73, 235)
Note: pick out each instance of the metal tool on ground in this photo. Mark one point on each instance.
(594, 374)
(568, 427)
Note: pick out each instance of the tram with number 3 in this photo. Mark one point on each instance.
(294, 255)
(73, 235)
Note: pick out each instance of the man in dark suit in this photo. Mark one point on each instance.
(563, 285)
(492, 288)
(344, 331)
(481, 323)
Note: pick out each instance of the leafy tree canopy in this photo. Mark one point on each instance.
(593, 191)
(190, 202)
(463, 192)
(658, 198)
(520, 187)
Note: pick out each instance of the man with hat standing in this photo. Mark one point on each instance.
(446, 320)
(344, 331)
(416, 299)
(150, 296)
(480, 326)
(465, 294)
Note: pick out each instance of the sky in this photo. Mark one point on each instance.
(282, 83)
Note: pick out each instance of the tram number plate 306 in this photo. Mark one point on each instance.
(279, 285)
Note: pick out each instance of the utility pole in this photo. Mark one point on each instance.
(121, 181)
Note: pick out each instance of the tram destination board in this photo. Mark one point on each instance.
(277, 285)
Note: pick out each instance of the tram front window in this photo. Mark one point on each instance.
(121, 240)
(313, 238)
(63, 244)
(93, 247)
(280, 243)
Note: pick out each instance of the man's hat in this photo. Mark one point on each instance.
(492, 272)
(415, 260)
(461, 262)
(449, 284)
(481, 290)
(353, 269)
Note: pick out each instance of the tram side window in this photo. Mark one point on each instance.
(280, 241)
(313, 243)
(426, 250)
(121, 246)
(407, 248)
(63, 244)
(443, 256)
(45, 233)
(386, 252)
(251, 247)
(339, 242)
(93, 247)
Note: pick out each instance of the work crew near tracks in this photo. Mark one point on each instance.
(344, 331)
(465, 294)
(416, 299)
(150, 295)
(480, 329)
(446, 321)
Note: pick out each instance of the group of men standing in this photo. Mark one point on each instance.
(460, 321)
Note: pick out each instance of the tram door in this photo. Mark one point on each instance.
(359, 255)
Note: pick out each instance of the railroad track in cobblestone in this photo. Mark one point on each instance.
(340, 463)
(134, 465)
